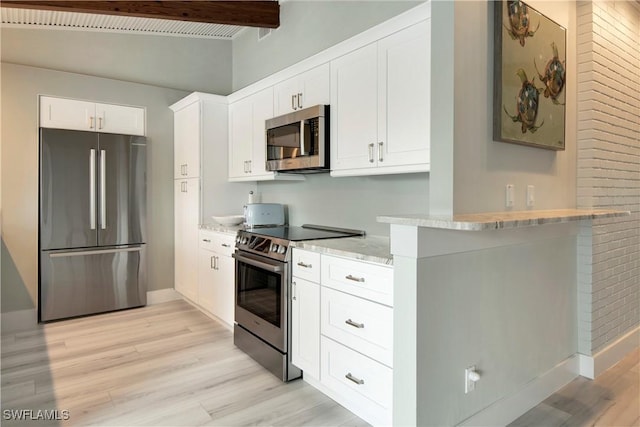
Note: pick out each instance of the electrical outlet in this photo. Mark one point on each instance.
(470, 378)
(509, 195)
(531, 196)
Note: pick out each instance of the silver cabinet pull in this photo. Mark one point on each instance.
(99, 122)
(249, 161)
(103, 189)
(354, 278)
(90, 122)
(186, 169)
(216, 263)
(354, 324)
(293, 103)
(380, 157)
(294, 291)
(92, 189)
(371, 152)
(299, 100)
(303, 265)
(226, 245)
(206, 240)
(211, 262)
(356, 380)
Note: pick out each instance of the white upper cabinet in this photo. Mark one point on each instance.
(247, 143)
(187, 131)
(304, 90)
(63, 113)
(247, 138)
(380, 106)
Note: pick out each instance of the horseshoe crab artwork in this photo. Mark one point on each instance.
(530, 76)
(553, 77)
(519, 22)
(527, 103)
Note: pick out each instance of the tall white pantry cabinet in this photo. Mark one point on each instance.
(201, 188)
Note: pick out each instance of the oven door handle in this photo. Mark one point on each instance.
(257, 263)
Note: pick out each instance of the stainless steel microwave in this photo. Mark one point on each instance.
(299, 141)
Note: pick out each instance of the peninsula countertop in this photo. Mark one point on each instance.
(501, 220)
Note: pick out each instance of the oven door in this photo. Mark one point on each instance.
(261, 298)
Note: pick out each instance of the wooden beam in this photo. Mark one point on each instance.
(264, 14)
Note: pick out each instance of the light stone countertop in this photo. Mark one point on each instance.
(369, 248)
(501, 220)
(231, 230)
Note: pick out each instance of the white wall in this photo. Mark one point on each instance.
(511, 311)
(609, 169)
(482, 166)
(306, 28)
(350, 202)
(21, 86)
(189, 64)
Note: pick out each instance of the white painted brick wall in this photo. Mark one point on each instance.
(608, 169)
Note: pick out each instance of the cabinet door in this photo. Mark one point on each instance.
(314, 87)
(187, 217)
(305, 326)
(60, 113)
(120, 119)
(207, 279)
(404, 97)
(286, 95)
(354, 111)
(240, 137)
(186, 142)
(224, 291)
(262, 110)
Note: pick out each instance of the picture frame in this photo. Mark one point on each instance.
(529, 105)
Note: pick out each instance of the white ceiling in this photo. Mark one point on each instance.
(30, 18)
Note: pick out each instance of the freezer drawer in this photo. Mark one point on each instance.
(80, 282)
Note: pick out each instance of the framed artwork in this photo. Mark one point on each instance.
(529, 77)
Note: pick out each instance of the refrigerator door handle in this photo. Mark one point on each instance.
(96, 252)
(92, 189)
(103, 189)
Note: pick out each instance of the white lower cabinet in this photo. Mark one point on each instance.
(342, 331)
(216, 275)
(186, 217)
(305, 316)
(364, 385)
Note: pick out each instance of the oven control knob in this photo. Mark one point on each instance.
(282, 249)
(274, 247)
(244, 240)
(238, 238)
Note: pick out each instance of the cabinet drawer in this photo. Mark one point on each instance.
(364, 383)
(362, 325)
(221, 243)
(306, 265)
(370, 281)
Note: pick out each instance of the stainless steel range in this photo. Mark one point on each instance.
(263, 285)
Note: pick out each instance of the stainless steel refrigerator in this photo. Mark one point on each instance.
(92, 223)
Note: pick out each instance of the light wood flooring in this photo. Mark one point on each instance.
(170, 365)
(162, 365)
(611, 400)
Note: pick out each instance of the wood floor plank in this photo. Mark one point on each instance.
(169, 364)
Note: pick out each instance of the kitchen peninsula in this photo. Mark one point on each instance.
(494, 291)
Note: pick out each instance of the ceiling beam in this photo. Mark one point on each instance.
(264, 14)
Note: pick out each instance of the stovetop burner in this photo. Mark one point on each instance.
(273, 242)
(306, 232)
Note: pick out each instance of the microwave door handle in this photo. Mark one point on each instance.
(302, 152)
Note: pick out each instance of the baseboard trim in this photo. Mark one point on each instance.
(592, 366)
(19, 320)
(162, 295)
(511, 407)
